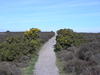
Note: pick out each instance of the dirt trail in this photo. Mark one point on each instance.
(46, 64)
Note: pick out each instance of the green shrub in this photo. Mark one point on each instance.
(67, 38)
(14, 47)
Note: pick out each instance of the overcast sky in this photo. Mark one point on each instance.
(48, 15)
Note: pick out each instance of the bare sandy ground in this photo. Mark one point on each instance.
(46, 64)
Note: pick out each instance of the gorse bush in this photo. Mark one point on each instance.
(65, 32)
(32, 33)
(66, 38)
(14, 47)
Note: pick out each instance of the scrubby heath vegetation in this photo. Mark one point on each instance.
(16, 50)
(78, 53)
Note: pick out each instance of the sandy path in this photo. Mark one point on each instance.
(46, 64)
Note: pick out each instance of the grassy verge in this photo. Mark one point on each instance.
(30, 68)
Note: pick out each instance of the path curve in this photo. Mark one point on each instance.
(46, 64)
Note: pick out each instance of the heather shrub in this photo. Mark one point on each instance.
(45, 36)
(7, 68)
(72, 49)
(91, 71)
(76, 66)
(65, 55)
(87, 50)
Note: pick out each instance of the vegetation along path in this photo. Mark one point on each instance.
(46, 64)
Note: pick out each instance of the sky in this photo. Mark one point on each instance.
(50, 15)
